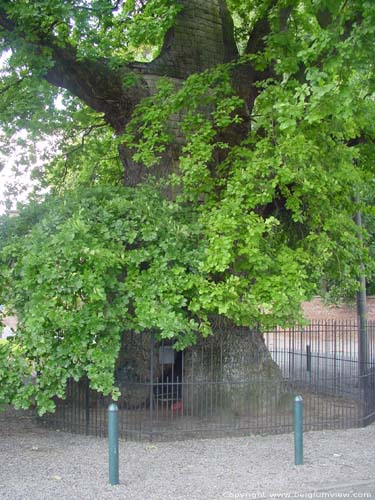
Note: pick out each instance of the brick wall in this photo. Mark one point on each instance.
(316, 309)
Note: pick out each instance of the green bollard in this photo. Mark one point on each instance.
(298, 430)
(113, 443)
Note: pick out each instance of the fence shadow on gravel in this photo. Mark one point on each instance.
(222, 387)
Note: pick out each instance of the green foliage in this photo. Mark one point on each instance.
(118, 31)
(15, 376)
(259, 219)
(86, 154)
(99, 28)
(280, 203)
(78, 271)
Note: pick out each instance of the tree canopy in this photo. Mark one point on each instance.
(205, 161)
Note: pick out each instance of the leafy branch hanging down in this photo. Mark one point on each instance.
(112, 260)
(240, 130)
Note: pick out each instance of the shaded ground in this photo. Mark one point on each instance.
(38, 464)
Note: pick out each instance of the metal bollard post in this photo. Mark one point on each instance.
(113, 444)
(298, 430)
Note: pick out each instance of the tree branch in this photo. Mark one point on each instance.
(98, 85)
(262, 28)
(246, 75)
(69, 153)
(11, 85)
(188, 48)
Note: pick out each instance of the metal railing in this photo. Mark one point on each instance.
(236, 382)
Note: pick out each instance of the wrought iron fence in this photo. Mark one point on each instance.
(236, 382)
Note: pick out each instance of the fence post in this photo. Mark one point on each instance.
(308, 358)
(298, 430)
(363, 345)
(151, 416)
(87, 406)
(113, 444)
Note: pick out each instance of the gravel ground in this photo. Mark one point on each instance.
(38, 464)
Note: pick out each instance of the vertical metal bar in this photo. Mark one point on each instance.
(335, 357)
(318, 329)
(71, 413)
(151, 420)
(101, 414)
(178, 397)
(113, 444)
(96, 413)
(157, 402)
(167, 397)
(370, 328)
(300, 357)
(284, 340)
(87, 406)
(352, 354)
(311, 343)
(81, 387)
(362, 316)
(74, 406)
(121, 412)
(298, 430)
(290, 333)
(183, 382)
(192, 385)
(308, 358)
(172, 392)
(211, 376)
(78, 413)
(203, 384)
(294, 349)
(221, 375)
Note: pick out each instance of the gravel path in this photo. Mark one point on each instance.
(37, 464)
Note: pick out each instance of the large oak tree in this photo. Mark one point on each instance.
(207, 157)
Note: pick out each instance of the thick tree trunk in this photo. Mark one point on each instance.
(201, 37)
(238, 361)
(234, 371)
